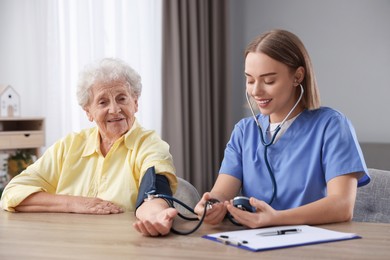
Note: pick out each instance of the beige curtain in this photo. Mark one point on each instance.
(195, 88)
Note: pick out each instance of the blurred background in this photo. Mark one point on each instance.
(190, 56)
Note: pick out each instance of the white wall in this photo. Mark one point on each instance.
(19, 50)
(349, 43)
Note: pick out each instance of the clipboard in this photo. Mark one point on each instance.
(253, 240)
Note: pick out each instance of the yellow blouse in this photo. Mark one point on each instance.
(75, 166)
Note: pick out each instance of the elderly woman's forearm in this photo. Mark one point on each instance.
(46, 202)
(43, 202)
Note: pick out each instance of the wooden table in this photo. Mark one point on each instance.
(76, 236)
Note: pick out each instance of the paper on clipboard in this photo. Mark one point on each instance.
(251, 240)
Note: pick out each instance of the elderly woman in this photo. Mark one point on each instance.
(99, 170)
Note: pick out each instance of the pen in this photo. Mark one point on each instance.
(280, 232)
(227, 241)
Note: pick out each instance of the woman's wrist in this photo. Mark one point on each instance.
(151, 207)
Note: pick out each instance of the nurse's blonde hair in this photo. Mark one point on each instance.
(288, 49)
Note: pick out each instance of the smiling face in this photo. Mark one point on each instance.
(272, 85)
(112, 107)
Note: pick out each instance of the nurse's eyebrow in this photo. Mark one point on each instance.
(262, 75)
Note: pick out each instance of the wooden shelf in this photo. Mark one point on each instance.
(22, 133)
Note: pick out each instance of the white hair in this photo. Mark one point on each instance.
(106, 70)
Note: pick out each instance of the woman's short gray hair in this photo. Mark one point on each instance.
(106, 70)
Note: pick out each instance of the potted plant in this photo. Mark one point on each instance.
(19, 161)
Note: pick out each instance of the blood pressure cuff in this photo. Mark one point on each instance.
(153, 184)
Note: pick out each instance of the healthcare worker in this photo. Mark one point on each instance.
(306, 172)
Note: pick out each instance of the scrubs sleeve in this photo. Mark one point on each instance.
(341, 151)
(232, 161)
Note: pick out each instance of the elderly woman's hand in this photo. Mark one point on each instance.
(46, 202)
(154, 218)
(97, 206)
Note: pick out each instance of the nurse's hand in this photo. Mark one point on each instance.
(263, 216)
(215, 212)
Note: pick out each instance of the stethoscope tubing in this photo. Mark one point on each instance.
(268, 144)
(179, 232)
(272, 176)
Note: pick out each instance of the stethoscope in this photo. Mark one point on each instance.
(170, 199)
(268, 144)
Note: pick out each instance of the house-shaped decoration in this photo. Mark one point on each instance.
(9, 102)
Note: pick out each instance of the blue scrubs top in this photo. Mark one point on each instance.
(319, 145)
